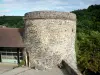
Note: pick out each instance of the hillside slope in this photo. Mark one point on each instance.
(12, 21)
(88, 39)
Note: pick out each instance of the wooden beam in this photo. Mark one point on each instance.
(0, 58)
(18, 58)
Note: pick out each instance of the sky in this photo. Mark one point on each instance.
(20, 7)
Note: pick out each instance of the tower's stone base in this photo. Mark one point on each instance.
(50, 38)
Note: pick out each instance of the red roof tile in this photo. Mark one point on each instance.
(11, 37)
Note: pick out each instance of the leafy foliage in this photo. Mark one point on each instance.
(88, 39)
(12, 21)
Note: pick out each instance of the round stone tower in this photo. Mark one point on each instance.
(50, 38)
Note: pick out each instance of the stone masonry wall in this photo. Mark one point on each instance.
(50, 38)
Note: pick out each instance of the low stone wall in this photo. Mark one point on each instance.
(69, 69)
(50, 38)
